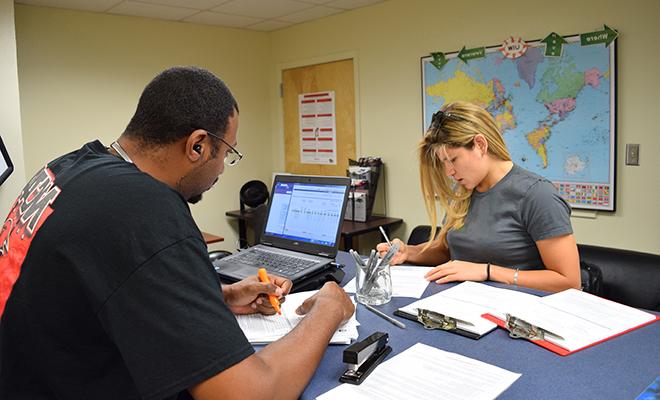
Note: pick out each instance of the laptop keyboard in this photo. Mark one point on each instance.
(276, 263)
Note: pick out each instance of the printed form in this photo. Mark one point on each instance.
(425, 372)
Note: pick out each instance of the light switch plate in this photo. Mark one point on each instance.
(632, 154)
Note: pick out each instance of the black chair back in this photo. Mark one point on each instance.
(629, 277)
(420, 234)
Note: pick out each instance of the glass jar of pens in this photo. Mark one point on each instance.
(373, 280)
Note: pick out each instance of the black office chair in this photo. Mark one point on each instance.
(257, 221)
(218, 254)
(420, 234)
(253, 199)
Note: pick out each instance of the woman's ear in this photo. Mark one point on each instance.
(481, 143)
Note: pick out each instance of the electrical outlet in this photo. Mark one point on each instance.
(632, 154)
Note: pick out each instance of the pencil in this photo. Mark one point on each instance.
(263, 277)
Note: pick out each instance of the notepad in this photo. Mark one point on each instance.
(262, 329)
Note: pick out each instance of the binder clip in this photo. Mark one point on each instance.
(363, 357)
(434, 320)
(522, 329)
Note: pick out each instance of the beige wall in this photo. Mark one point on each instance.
(390, 38)
(10, 117)
(81, 75)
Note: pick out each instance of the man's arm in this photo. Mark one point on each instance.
(282, 369)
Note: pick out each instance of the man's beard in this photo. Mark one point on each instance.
(195, 199)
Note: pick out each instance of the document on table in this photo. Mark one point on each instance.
(580, 319)
(261, 329)
(407, 281)
(468, 301)
(425, 372)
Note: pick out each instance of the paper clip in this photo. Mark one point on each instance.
(435, 320)
(519, 328)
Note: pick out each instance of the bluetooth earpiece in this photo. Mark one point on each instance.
(197, 148)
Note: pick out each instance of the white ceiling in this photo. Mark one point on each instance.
(260, 15)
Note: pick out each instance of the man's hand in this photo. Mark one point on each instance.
(331, 298)
(250, 296)
(455, 270)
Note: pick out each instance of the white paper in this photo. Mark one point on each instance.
(318, 133)
(260, 328)
(468, 301)
(580, 318)
(491, 299)
(407, 281)
(455, 309)
(425, 372)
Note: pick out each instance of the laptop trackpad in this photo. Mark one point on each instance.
(235, 270)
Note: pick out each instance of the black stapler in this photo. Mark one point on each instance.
(362, 357)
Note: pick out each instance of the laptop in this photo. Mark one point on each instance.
(301, 234)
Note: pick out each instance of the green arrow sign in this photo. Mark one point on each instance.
(439, 60)
(606, 36)
(553, 45)
(469, 54)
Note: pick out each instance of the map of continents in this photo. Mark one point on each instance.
(554, 112)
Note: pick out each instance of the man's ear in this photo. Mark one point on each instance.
(195, 145)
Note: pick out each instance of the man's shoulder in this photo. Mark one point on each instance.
(90, 177)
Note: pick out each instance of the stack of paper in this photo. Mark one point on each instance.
(467, 302)
(577, 319)
(574, 319)
(261, 329)
(425, 372)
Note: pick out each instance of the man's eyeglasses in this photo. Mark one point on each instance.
(233, 156)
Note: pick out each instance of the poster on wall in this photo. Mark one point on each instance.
(554, 101)
(318, 137)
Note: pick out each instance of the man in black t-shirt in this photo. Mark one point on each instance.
(106, 288)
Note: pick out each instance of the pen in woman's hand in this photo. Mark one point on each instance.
(385, 235)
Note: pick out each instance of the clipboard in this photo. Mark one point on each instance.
(450, 324)
(558, 349)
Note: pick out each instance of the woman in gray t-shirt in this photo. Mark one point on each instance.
(502, 222)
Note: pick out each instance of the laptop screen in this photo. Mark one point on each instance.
(306, 212)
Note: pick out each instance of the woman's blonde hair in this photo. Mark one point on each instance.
(455, 125)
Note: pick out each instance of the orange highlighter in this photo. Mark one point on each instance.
(263, 277)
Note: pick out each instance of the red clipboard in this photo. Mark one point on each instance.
(560, 350)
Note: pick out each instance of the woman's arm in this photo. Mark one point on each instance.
(559, 255)
(562, 262)
(437, 253)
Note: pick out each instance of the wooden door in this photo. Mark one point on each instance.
(334, 76)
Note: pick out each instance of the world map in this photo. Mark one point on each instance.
(556, 113)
